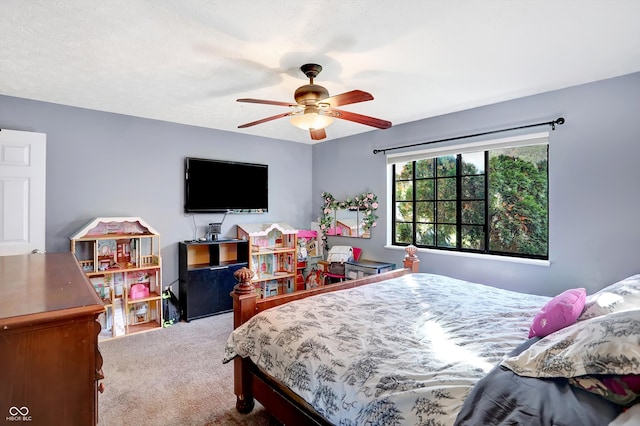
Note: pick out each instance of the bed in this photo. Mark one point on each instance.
(404, 348)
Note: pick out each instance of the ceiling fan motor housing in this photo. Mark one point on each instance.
(310, 94)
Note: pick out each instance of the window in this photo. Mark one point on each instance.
(489, 198)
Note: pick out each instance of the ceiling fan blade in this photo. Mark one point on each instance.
(264, 120)
(317, 134)
(347, 98)
(262, 101)
(359, 118)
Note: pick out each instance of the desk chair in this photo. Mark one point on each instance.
(333, 278)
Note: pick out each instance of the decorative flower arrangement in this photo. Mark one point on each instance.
(366, 203)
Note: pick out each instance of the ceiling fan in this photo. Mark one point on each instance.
(315, 109)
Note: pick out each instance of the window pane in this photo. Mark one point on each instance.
(426, 212)
(404, 212)
(446, 235)
(446, 211)
(424, 189)
(518, 193)
(424, 168)
(472, 187)
(473, 212)
(472, 237)
(404, 170)
(404, 233)
(472, 163)
(447, 189)
(446, 166)
(404, 190)
(425, 235)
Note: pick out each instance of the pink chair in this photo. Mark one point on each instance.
(357, 251)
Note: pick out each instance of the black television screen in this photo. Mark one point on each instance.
(215, 186)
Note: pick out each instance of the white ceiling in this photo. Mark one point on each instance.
(187, 61)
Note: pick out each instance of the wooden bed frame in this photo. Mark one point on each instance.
(250, 382)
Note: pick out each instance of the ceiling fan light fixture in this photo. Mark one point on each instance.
(311, 120)
(315, 110)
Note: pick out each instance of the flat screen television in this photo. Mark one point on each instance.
(217, 186)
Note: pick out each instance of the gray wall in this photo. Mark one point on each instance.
(102, 164)
(594, 175)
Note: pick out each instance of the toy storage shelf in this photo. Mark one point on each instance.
(121, 258)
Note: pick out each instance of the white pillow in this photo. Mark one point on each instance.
(608, 344)
(624, 294)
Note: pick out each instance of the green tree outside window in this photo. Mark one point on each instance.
(493, 202)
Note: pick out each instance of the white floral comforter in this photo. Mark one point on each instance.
(406, 351)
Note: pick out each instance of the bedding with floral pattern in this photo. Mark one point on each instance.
(619, 296)
(607, 344)
(402, 351)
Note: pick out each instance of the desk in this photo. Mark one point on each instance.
(363, 268)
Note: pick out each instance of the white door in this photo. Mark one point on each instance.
(22, 191)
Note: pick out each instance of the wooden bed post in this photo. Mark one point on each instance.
(244, 307)
(411, 261)
(244, 297)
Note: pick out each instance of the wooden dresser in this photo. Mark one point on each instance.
(50, 365)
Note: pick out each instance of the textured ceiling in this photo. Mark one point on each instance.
(188, 61)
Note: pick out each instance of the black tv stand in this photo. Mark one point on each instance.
(206, 278)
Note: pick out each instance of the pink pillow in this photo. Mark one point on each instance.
(560, 312)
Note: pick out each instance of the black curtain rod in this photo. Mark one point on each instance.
(552, 123)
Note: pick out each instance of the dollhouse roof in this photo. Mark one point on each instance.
(114, 226)
(261, 229)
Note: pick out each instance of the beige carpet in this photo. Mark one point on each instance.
(173, 376)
